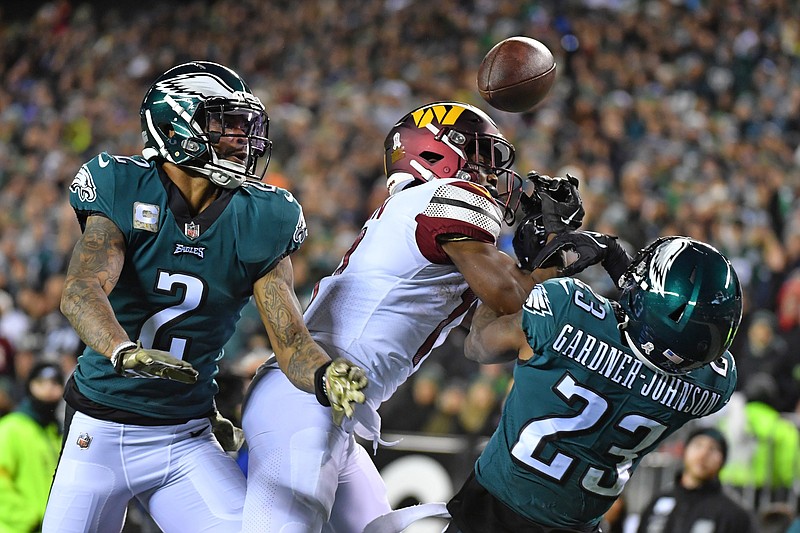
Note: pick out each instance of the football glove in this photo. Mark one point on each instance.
(529, 239)
(229, 436)
(338, 384)
(131, 360)
(574, 251)
(562, 207)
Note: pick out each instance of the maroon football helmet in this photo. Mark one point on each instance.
(451, 140)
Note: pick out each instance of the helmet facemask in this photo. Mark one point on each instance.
(233, 139)
(487, 160)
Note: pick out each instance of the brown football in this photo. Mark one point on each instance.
(516, 74)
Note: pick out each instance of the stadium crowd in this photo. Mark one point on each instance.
(678, 117)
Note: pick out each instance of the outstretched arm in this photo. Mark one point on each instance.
(491, 274)
(335, 383)
(298, 355)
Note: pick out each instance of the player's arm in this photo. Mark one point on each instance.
(298, 355)
(93, 272)
(336, 383)
(496, 339)
(493, 275)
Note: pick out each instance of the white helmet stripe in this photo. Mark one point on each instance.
(183, 114)
(151, 128)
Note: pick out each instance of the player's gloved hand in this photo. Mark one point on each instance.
(338, 384)
(529, 239)
(229, 436)
(131, 360)
(562, 207)
(574, 251)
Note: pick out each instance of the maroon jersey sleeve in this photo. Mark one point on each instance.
(457, 208)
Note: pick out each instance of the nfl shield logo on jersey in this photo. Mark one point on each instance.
(191, 230)
(84, 440)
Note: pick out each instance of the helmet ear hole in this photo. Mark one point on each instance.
(677, 314)
(431, 157)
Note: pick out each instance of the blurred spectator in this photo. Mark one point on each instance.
(764, 461)
(762, 350)
(482, 405)
(415, 401)
(30, 440)
(697, 501)
(449, 403)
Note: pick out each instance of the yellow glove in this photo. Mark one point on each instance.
(229, 436)
(131, 360)
(338, 384)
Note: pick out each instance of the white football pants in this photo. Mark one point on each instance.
(303, 471)
(180, 474)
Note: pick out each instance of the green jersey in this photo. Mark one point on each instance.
(584, 410)
(185, 279)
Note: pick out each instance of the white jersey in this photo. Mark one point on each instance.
(396, 295)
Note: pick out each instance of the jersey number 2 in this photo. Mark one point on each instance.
(194, 291)
(528, 449)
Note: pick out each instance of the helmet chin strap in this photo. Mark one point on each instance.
(508, 214)
(228, 180)
(641, 357)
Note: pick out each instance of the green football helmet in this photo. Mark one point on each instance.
(683, 303)
(192, 107)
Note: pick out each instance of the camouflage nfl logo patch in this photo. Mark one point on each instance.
(84, 440)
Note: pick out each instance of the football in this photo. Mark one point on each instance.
(516, 74)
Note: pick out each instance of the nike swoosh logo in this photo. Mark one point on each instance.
(569, 220)
(598, 243)
(102, 162)
(197, 433)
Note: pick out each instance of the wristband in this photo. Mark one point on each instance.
(116, 360)
(320, 387)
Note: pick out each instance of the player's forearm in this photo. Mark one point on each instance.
(93, 272)
(491, 338)
(503, 289)
(87, 308)
(297, 353)
(300, 362)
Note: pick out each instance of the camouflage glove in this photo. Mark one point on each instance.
(562, 207)
(131, 360)
(574, 251)
(229, 436)
(337, 384)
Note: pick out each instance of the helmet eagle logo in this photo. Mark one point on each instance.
(663, 260)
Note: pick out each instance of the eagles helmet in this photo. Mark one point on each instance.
(683, 303)
(190, 108)
(451, 140)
